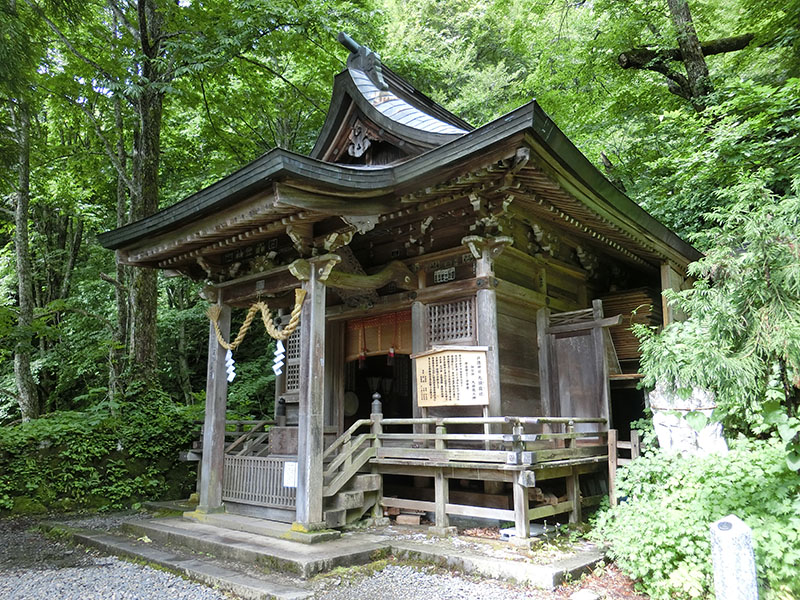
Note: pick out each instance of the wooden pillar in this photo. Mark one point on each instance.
(542, 322)
(574, 495)
(418, 344)
(485, 251)
(602, 364)
(311, 420)
(521, 521)
(441, 490)
(213, 462)
(671, 279)
(612, 467)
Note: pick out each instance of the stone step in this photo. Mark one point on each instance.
(202, 570)
(345, 500)
(364, 482)
(272, 553)
(240, 523)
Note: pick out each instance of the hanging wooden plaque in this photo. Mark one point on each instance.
(452, 376)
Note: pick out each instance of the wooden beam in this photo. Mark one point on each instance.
(598, 322)
(395, 271)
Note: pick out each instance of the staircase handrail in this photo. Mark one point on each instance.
(347, 435)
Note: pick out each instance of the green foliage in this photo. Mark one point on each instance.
(660, 534)
(106, 457)
(742, 337)
(691, 164)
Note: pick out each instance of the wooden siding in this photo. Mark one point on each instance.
(519, 360)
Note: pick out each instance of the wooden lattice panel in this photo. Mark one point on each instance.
(293, 362)
(256, 480)
(451, 322)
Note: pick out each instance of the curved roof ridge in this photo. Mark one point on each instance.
(399, 110)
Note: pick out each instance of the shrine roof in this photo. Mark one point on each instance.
(282, 185)
(352, 190)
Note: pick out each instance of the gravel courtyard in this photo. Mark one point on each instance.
(36, 567)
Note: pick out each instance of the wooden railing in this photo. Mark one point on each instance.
(242, 438)
(614, 460)
(518, 457)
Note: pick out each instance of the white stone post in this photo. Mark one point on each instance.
(734, 561)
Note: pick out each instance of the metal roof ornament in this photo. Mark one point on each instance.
(364, 59)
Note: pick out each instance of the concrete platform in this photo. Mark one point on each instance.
(544, 576)
(267, 552)
(202, 570)
(251, 559)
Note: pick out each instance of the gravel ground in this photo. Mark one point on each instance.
(33, 567)
(402, 582)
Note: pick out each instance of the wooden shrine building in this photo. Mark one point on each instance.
(460, 348)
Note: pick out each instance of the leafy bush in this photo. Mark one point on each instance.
(660, 534)
(100, 458)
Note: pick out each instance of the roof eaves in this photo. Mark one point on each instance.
(574, 161)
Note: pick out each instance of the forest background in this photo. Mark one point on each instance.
(110, 110)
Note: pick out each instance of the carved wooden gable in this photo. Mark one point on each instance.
(377, 118)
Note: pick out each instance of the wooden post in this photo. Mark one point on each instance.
(213, 462)
(542, 321)
(441, 488)
(522, 522)
(636, 444)
(418, 344)
(376, 415)
(485, 251)
(671, 279)
(574, 495)
(612, 467)
(311, 419)
(602, 364)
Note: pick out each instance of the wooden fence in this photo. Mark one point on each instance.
(257, 480)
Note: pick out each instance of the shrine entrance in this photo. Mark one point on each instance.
(388, 376)
(377, 360)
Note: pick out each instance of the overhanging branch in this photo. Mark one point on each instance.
(642, 58)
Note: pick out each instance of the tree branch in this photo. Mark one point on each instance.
(214, 125)
(122, 19)
(109, 151)
(274, 73)
(69, 44)
(640, 58)
(113, 281)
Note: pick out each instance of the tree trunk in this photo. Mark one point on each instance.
(119, 344)
(144, 291)
(691, 52)
(184, 381)
(26, 389)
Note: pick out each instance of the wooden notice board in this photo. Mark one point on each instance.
(452, 376)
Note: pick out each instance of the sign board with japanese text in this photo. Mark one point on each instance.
(452, 376)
